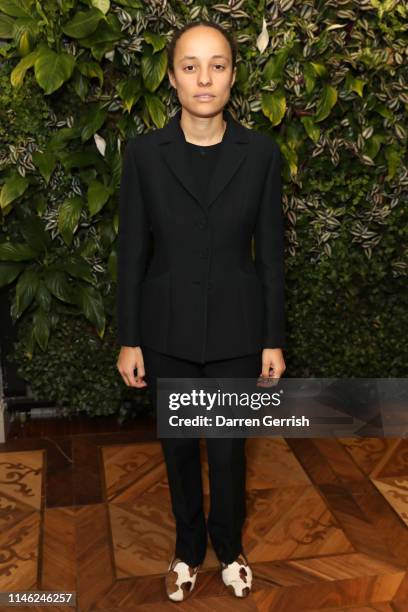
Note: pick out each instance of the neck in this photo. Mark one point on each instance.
(202, 130)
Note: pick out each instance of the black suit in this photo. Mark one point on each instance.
(202, 308)
(201, 297)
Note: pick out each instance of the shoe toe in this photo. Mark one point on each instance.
(237, 576)
(180, 580)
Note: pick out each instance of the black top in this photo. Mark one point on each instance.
(202, 162)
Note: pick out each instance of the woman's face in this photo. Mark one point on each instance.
(203, 74)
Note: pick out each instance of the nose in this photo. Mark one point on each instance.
(204, 77)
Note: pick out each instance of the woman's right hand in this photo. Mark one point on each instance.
(130, 359)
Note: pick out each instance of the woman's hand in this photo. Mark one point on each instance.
(130, 359)
(273, 363)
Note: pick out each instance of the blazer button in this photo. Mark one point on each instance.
(202, 225)
(204, 253)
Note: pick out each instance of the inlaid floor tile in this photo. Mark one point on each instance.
(21, 481)
(291, 522)
(367, 453)
(21, 477)
(395, 491)
(19, 546)
(271, 464)
(125, 466)
(143, 538)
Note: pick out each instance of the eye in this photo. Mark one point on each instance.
(219, 66)
(189, 66)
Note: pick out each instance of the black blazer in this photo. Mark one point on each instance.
(201, 296)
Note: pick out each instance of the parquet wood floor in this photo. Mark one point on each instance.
(89, 511)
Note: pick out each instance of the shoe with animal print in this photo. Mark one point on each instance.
(237, 576)
(180, 579)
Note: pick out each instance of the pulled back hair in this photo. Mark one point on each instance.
(171, 46)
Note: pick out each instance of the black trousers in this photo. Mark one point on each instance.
(226, 464)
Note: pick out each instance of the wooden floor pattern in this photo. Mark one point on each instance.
(90, 512)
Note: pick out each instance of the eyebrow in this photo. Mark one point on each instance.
(195, 57)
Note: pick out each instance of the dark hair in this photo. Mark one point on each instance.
(171, 46)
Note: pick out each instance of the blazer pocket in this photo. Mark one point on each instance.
(155, 308)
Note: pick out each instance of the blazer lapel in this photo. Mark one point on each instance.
(232, 153)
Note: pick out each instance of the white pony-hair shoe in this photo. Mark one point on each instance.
(180, 579)
(237, 576)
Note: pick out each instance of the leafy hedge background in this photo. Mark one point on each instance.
(327, 80)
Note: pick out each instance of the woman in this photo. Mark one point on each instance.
(201, 186)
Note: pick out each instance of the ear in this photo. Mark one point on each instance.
(171, 78)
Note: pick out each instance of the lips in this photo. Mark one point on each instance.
(205, 97)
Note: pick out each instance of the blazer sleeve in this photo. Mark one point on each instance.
(132, 251)
(269, 253)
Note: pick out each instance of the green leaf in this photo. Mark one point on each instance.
(9, 272)
(45, 162)
(105, 232)
(92, 120)
(115, 223)
(89, 247)
(129, 92)
(294, 135)
(291, 157)
(274, 67)
(26, 32)
(242, 75)
(319, 69)
(98, 195)
(274, 105)
(40, 203)
(354, 84)
(107, 32)
(102, 5)
(58, 140)
(6, 27)
(383, 6)
(13, 188)
(14, 8)
(113, 265)
(384, 111)
(90, 302)
(80, 85)
(16, 252)
(91, 70)
(309, 76)
(33, 231)
(326, 102)
(157, 41)
(373, 145)
(156, 109)
(82, 159)
(43, 297)
(393, 158)
(26, 288)
(312, 130)
(154, 66)
(57, 283)
(84, 23)
(77, 267)
(52, 69)
(41, 328)
(68, 217)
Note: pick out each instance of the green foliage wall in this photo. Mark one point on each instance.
(327, 80)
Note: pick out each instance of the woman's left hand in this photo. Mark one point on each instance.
(273, 363)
